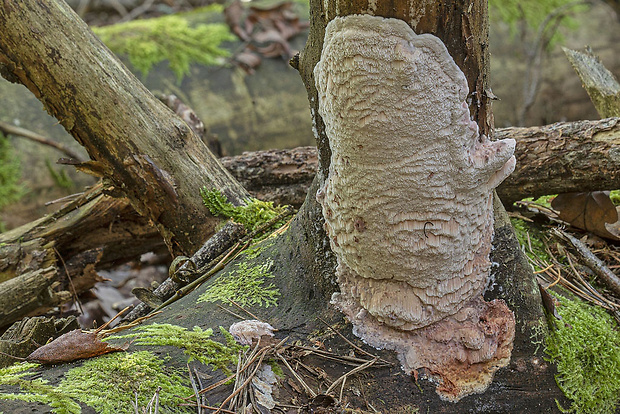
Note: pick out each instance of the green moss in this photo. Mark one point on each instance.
(10, 172)
(615, 197)
(60, 177)
(150, 41)
(531, 242)
(586, 348)
(36, 390)
(276, 368)
(196, 343)
(252, 215)
(246, 285)
(111, 383)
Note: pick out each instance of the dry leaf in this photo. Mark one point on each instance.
(72, 346)
(548, 302)
(266, 30)
(591, 211)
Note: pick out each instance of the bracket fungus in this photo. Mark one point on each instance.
(408, 201)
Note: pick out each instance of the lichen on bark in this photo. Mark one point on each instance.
(408, 200)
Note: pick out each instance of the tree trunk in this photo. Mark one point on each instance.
(300, 261)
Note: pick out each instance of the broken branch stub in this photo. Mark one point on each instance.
(408, 201)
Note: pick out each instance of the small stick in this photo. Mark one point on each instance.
(344, 381)
(195, 388)
(231, 312)
(105, 325)
(593, 262)
(245, 310)
(297, 377)
(246, 382)
(75, 295)
(208, 407)
(353, 371)
(132, 324)
(33, 136)
(353, 345)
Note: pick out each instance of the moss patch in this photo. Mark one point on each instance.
(531, 242)
(586, 348)
(36, 390)
(150, 41)
(252, 215)
(10, 172)
(196, 343)
(111, 383)
(245, 284)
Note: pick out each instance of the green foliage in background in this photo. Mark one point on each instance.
(585, 345)
(60, 177)
(533, 13)
(150, 41)
(10, 172)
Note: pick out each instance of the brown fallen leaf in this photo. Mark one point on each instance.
(590, 211)
(72, 346)
(266, 31)
(548, 302)
(76, 344)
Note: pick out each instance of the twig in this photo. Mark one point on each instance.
(231, 312)
(136, 12)
(297, 377)
(353, 371)
(343, 359)
(364, 396)
(195, 388)
(75, 295)
(353, 345)
(33, 136)
(132, 324)
(607, 276)
(105, 325)
(208, 407)
(246, 382)
(245, 310)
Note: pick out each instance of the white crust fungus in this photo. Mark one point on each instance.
(247, 331)
(408, 199)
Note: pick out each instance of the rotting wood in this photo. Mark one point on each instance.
(28, 293)
(563, 157)
(214, 247)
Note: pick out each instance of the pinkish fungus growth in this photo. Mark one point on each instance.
(408, 201)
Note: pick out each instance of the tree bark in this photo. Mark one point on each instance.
(135, 141)
(563, 157)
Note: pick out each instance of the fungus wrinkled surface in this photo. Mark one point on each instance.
(408, 200)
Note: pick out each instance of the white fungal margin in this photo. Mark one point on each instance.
(408, 198)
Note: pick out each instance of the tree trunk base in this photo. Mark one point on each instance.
(527, 384)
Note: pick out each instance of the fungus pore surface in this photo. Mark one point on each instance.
(408, 201)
